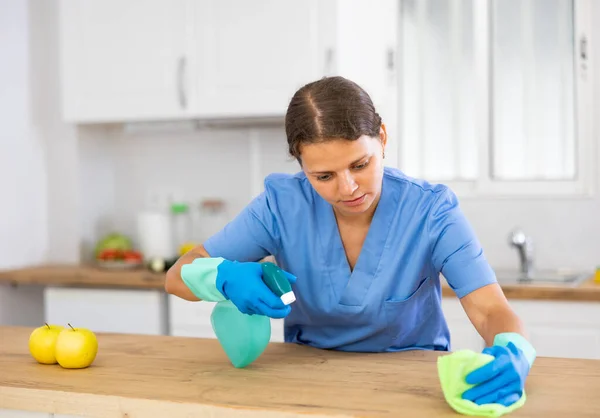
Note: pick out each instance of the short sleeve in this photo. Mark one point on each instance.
(456, 251)
(250, 236)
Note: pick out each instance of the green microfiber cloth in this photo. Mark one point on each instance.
(452, 370)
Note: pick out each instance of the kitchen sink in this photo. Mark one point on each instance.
(527, 273)
(542, 277)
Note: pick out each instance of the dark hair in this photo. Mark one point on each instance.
(332, 107)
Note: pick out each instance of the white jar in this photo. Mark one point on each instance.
(155, 235)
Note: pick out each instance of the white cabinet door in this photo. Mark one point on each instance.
(368, 57)
(21, 305)
(277, 330)
(124, 60)
(162, 59)
(576, 342)
(555, 328)
(463, 335)
(562, 329)
(253, 55)
(107, 310)
(192, 319)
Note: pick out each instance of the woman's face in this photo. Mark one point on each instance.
(347, 174)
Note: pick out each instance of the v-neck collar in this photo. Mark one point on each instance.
(351, 287)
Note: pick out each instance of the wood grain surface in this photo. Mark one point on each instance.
(138, 376)
(91, 276)
(84, 276)
(587, 291)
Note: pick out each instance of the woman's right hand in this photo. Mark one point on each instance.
(242, 283)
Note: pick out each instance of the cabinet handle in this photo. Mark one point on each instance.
(583, 47)
(391, 65)
(180, 82)
(328, 61)
(390, 59)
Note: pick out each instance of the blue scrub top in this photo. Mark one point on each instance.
(391, 301)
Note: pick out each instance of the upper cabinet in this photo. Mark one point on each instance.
(253, 55)
(125, 60)
(179, 59)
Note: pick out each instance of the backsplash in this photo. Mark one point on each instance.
(121, 171)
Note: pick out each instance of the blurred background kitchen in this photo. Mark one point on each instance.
(157, 120)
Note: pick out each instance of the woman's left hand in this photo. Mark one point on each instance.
(500, 381)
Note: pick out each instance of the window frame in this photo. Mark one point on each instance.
(583, 185)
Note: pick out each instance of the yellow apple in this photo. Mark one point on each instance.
(76, 348)
(42, 343)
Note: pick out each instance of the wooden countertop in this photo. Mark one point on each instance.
(91, 276)
(84, 276)
(136, 376)
(588, 291)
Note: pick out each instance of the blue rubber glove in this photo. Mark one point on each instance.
(503, 379)
(242, 284)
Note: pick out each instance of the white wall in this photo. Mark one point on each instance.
(23, 223)
(38, 153)
(23, 170)
(120, 170)
(60, 139)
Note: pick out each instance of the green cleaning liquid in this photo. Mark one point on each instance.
(245, 337)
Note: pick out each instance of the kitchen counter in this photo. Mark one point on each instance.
(84, 276)
(90, 276)
(135, 376)
(587, 291)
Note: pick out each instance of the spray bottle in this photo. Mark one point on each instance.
(244, 337)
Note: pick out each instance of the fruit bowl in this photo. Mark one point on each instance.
(119, 259)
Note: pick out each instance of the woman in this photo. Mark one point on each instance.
(364, 246)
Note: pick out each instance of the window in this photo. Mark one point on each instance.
(495, 95)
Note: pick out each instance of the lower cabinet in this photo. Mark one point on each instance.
(21, 305)
(562, 329)
(463, 335)
(192, 319)
(555, 328)
(107, 310)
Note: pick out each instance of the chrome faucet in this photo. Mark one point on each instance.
(524, 246)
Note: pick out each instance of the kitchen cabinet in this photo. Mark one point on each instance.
(463, 335)
(21, 305)
(562, 329)
(192, 319)
(108, 310)
(162, 59)
(125, 60)
(253, 55)
(555, 328)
